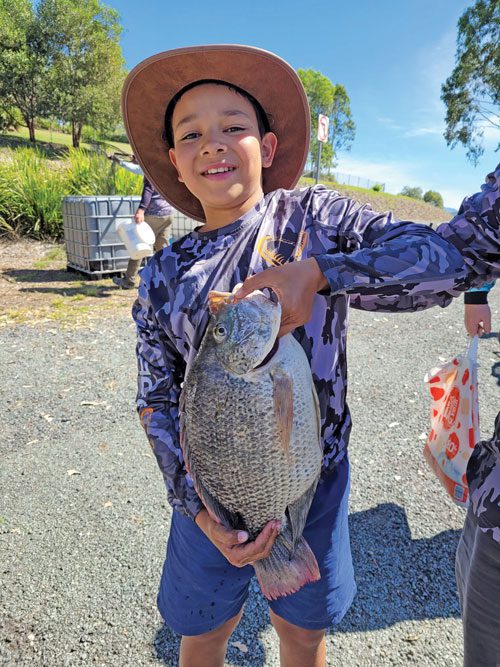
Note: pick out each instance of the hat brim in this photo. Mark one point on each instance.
(150, 86)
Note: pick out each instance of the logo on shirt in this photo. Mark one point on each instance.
(277, 254)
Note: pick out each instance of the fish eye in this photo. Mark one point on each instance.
(220, 332)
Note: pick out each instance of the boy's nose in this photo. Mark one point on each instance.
(213, 146)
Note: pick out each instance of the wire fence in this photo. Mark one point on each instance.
(347, 179)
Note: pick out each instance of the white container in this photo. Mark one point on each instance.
(138, 238)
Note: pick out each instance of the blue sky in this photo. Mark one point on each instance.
(391, 56)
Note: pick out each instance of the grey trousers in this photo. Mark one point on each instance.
(477, 568)
(159, 224)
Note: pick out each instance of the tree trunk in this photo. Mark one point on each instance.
(30, 122)
(76, 129)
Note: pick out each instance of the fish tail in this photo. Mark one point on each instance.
(284, 572)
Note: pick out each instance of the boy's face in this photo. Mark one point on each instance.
(219, 154)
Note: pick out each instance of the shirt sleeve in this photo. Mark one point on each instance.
(475, 231)
(160, 373)
(147, 193)
(132, 167)
(385, 263)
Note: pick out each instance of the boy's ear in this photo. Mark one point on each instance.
(268, 146)
(171, 155)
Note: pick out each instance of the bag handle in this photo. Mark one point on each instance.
(471, 351)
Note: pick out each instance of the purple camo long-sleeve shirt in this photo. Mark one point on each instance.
(383, 263)
(152, 202)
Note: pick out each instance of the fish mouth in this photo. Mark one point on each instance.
(270, 354)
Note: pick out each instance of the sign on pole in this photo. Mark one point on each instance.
(323, 125)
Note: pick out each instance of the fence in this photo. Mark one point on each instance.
(346, 179)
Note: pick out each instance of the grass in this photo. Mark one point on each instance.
(57, 254)
(57, 139)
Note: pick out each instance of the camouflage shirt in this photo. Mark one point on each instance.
(369, 259)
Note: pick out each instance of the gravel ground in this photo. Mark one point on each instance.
(84, 515)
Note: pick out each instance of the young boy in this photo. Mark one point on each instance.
(222, 132)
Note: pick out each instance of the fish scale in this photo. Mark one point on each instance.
(233, 440)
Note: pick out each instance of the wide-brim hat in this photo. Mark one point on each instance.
(150, 86)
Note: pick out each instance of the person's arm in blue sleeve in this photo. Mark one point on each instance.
(133, 167)
(475, 231)
(160, 374)
(383, 257)
(147, 193)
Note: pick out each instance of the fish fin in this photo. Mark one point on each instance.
(297, 513)
(318, 416)
(216, 300)
(283, 406)
(217, 511)
(282, 572)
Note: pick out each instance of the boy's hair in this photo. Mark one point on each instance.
(262, 118)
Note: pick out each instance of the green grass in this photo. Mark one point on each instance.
(54, 255)
(56, 138)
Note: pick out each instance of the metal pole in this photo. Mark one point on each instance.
(318, 164)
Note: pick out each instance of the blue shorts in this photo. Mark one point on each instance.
(200, 590)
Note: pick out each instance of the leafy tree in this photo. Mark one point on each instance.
(23, 61)
(331, 100)
(433, 197)
(86, 63)
(472, 92)
(414, 193)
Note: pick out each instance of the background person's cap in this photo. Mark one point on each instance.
(273, 82)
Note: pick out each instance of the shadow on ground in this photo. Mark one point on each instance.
(399, 579)
(77, 283)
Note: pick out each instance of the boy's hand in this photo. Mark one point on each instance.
(233, 544)
(477, 318)
(295, 284)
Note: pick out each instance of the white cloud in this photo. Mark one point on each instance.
(425, 131)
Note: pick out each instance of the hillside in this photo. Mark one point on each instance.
(404, 208)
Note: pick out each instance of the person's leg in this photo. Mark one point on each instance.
(131, 272)
(160, 224)
(201, 595)
(299, 647)
(208, 649)
(478, 581)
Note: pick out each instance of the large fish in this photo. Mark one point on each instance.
(250, 433)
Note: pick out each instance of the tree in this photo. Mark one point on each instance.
(414, 193)
(23, 61)
(472, 92)
(86, 63)
(331, 100)
(433, 197)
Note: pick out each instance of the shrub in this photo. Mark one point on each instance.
(32, 187)
(414, 193)
(30, 194)
(433, 197)
(378, 187)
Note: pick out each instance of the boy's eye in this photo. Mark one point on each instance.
(190, 135)
(235, 128)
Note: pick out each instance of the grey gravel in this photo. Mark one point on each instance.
(84, 515)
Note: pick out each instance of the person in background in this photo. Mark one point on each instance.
(152, 209)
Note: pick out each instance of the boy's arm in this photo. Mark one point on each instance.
(380, 259)
(159, 378)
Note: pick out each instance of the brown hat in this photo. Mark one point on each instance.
(270, 80)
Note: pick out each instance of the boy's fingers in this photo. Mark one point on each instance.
(230, 538)
(249, 553)
(258, 281)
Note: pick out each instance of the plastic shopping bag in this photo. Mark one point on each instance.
(454, 421)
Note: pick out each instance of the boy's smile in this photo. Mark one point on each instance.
(219, 153)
